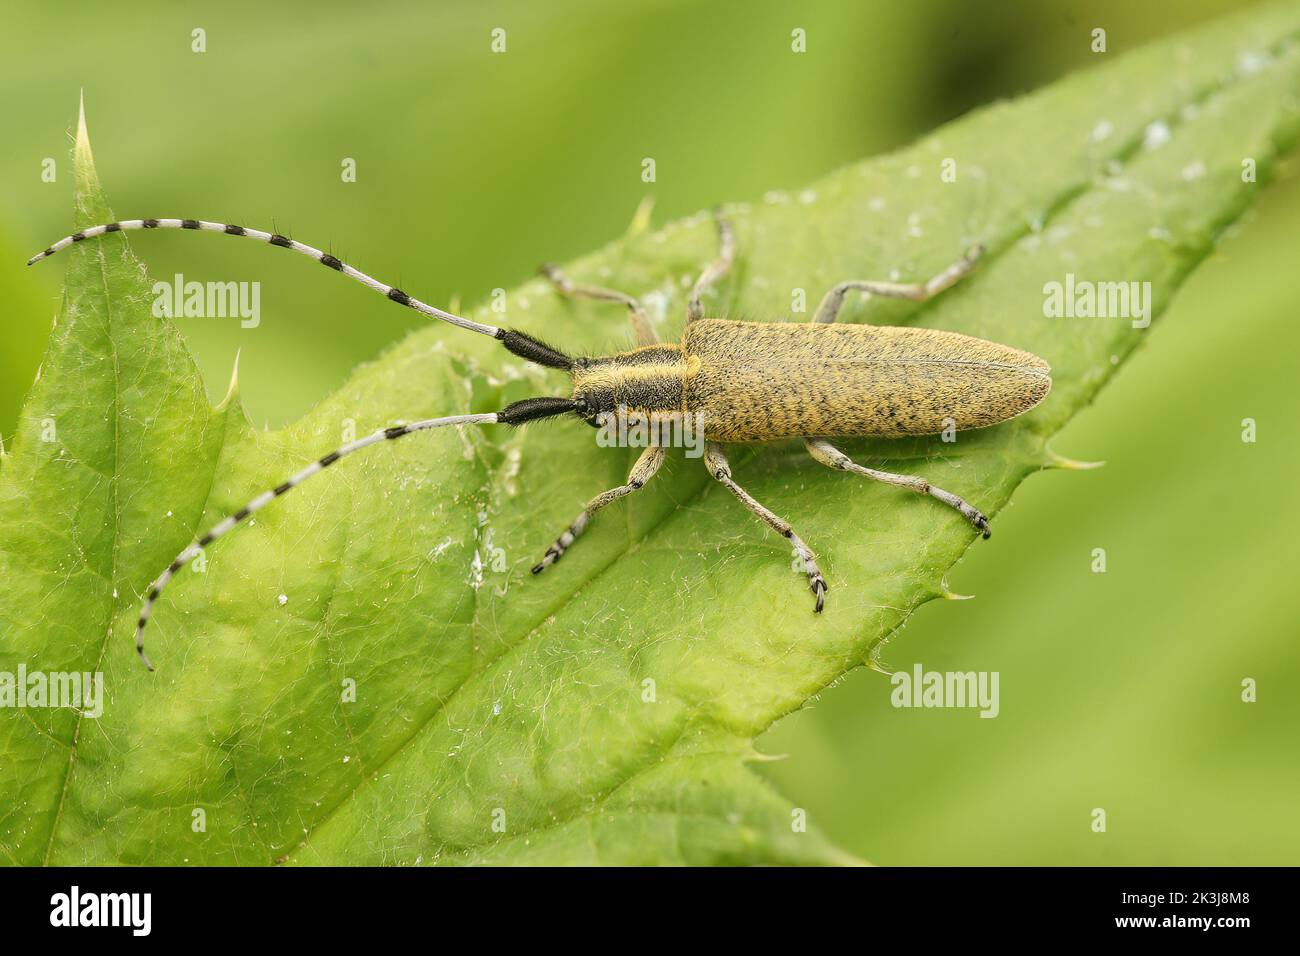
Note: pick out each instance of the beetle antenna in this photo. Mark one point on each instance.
(275, 239)
(528, 409)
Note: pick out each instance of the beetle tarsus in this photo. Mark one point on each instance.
(819, 588)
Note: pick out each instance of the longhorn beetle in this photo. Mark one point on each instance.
(747, 382)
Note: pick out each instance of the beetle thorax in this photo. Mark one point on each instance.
(646, 383)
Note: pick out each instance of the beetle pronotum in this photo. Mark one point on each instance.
(744, 381)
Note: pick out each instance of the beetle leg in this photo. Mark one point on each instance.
(642, 471)
(917, 291)
(636, 312)
(716, 461)
(715, 270)
(832, 457)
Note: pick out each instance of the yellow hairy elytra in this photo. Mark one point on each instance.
(760, 381)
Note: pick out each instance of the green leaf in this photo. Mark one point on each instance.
(485, 696)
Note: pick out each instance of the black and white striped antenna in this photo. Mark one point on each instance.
(275, 239)
(517, 413)
(265, 498)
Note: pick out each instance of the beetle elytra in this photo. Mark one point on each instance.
(745, 381)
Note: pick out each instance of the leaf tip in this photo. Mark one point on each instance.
(874, 663)
(641, 218)
(1053, 460)
(82, 147)
(89, 197)
(232, 390)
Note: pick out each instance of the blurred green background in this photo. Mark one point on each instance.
(1119, 690)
